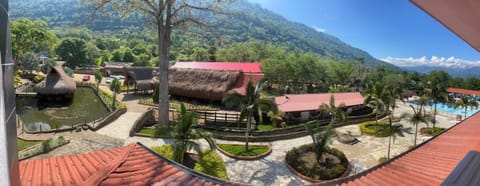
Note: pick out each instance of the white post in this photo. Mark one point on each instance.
(8, 130)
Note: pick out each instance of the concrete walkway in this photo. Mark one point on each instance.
(120, 128)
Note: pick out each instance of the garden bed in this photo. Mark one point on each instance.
(302, 162)
(42, 147)
(378, 129)
(428, 131)
(237, 151)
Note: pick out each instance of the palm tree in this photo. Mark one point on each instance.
(319, 139)
(393, 95)
(376, 97)
(115, 88)
(249, 103)
(184, 134)
(439, 93)
(98, 78)
(417, 117)
(465, 102)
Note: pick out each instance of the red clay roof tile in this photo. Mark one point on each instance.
(129, 165)
(463, 91)
(307, 102)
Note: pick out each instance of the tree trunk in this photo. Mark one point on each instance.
(247, 132)
(389, 139)
(163, 104)
(416, 131)
(434, 117)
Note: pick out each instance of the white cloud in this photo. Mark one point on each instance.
(318, 29)
(434, 61)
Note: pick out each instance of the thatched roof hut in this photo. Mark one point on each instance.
(56, 83)
(142, 77)
(201, 83)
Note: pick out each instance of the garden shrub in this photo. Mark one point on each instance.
(164, 150)
(433, 132)
(38, 78)
(380, 129)
(46, 145)
(382, 159)
(212, 164)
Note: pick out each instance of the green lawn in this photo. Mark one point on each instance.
(164, 132)
(265, 127)
(239, 150)
(22, 144)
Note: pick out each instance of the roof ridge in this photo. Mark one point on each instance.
(103, 173)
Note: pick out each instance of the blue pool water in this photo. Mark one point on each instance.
(441, 107)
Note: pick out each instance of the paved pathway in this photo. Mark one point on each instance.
(120, 128)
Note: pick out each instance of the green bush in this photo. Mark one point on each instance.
(37, 78)
(212, 164)
(46, 145)
(164, 150)
(382, 159)
(435, 132)
(380, 129)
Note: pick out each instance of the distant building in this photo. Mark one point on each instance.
(303, 107)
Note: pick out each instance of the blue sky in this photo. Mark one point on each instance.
(387, 29)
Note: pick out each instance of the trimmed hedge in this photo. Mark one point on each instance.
(239, 149)
(380, 129)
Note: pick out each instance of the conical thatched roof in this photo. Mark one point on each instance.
(57, 82)
(201, 83)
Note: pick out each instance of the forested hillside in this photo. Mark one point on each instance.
(246, 22)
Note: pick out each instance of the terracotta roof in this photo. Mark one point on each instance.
(463, 91)
(460, 16)
(246, 67)
(429, 163)
(306, 102)
(242, 82)
(130, 165)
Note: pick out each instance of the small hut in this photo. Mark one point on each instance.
(201, 83)
(140, 77)
(57, 83)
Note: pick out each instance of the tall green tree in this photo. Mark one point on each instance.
(73, 51)
(98, 78)
(466, 102)
(437, 81)
(115, 87)
(29, 62)
(166, 15)
(30, 36)
(376, 96)
(185, 134)
(250, 103)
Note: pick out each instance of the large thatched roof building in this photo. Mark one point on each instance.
(201, 83)
(115, 68)
(57, 83)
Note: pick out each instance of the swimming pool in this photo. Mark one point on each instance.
(441, 107)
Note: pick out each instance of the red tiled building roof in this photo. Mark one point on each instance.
(245, 67)
(463, 91)
(429, 163)
(130, 165)
(307, 102)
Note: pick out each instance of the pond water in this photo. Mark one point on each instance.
(86, 106)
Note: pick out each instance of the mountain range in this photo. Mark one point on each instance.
(253, 23)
